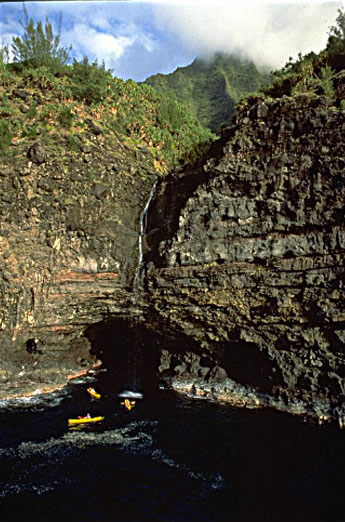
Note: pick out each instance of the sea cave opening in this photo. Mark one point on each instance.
(129, 354)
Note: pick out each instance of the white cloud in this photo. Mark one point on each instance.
(137, 39)
(86, 40)
(269, 34)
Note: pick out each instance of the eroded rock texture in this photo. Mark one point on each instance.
(244, 262)
(68, 243)
(245, 254)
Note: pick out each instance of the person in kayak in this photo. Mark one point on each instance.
(93, 393)
(87, 416)
(128, 404)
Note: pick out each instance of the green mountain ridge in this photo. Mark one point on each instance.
(211, 88)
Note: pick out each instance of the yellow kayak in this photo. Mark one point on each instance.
(93, 392)
(128, 404)
(72, 422)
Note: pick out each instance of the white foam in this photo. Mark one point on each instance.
(38, 398)
(128, 394)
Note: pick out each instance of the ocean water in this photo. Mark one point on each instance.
(169, 459)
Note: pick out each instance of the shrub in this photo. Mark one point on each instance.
(5, 135)
(32, 112)
(325, 81)
(5, 107)
(90, 82)
(170, 112)
(4, 57)
(336, 38)
(38, 46)
(66, 116)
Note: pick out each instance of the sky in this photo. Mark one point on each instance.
(136, 39)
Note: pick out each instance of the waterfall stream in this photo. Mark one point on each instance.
(137, 283)
(137, 288)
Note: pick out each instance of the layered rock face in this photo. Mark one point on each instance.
(245, 253)
(243, 257)
(69, 247)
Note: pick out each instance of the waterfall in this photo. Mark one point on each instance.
(137, 283)
(133, 354)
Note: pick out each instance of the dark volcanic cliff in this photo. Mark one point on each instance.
(79, 153)
(69, 244)
(243, 258)
(245, 254)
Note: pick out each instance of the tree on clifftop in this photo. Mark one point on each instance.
(38, 46)
(336, 39)
(4, 55)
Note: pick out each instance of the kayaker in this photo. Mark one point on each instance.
(87, 416)
(93, 393)
(128, 404)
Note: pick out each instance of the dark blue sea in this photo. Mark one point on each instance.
(169, 459)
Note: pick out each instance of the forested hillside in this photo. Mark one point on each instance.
(211, 88)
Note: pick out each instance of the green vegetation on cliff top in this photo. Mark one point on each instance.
(312, 74)
(211, 88)
(36, 104)
(42, 98)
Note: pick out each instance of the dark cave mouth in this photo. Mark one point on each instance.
(138, 358)
(133, 354)
(129, 353)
